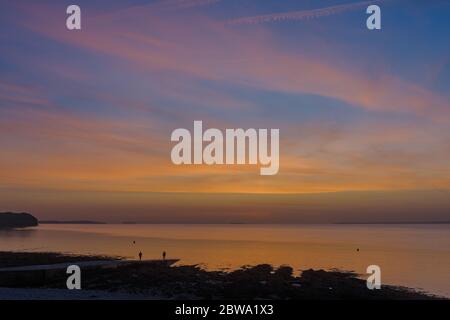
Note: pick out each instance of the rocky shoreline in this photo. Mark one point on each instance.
(192, 282)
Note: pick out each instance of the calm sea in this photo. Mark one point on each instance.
(415, 256)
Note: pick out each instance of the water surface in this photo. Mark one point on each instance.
(416, 256)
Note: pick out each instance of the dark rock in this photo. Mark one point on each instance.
(17, 220)
(191, 282)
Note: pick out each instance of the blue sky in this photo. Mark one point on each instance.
(92, 110)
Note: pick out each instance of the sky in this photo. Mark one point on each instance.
(86, 116)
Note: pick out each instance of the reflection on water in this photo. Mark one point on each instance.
(411, 255)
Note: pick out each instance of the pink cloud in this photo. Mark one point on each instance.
(204, 49)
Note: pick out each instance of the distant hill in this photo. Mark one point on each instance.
(70, 222)
(398, 222)
(17, 220)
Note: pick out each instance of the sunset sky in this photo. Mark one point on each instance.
(364, 116)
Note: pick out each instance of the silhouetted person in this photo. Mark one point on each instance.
(357, 249)
(134, 242)
(140, 255)
(164, 255)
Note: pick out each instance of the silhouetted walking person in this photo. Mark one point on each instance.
(164, 255)
(140, 256)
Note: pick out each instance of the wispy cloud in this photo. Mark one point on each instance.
(157, 7)
(99, 119)
(204, 59)
(180, 4)
(300, 15)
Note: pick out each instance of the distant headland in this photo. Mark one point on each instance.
(71, 222)
(10, 220)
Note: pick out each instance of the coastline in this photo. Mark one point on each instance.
(139, 280)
